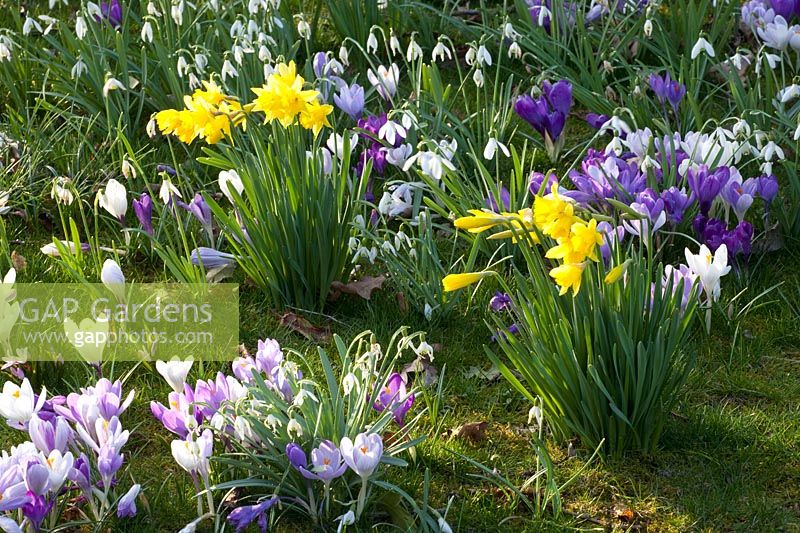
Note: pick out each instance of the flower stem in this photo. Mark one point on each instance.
(362, 496)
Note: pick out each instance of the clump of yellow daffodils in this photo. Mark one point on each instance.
(209, 114)
(553, 216)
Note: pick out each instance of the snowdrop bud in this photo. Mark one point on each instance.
(648, 28)
(80, 28)
(151, 127)
(5, 51)
(147, 32)
(238, 54)
(514, 50)
(344, 55)
(182, 67)
(304, 29)
(372, 43)
(637, 91)
(478, 77)
(128, 170)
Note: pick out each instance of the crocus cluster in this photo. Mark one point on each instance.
(548, 113)
(667, 90)
(75, 450)
(769, 20)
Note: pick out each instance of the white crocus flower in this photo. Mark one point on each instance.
(230, 180)
(709, 268)
(491, 148)
(114, 199)
(18, 403)
(390, 130)
(789, 93)
(114, 280)
(335, 144)
(702, 45)
(174, 372)
(398, 156)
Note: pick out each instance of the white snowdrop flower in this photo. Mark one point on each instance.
(177, 13)
(491, 148)
(441, 51)
(789, 93)
(408, 119)
(61, 191)
(294, 428)
(152, 10)
(509, 32)
(264, 55)
(151, 127)
(648, 28)
(385, 81)
(237, 28)
(268, 70)
(273, 422)
(228, 71)
(304, 29)
(535, 414)
(483, 57)
(194, 81)
(514, 50)
(740, 61)
(431, 164)
(797, 133)
(200, 61)
(477, 77)
(394, 44)
(702, 45)
(614, 146)
(167, 191)
(773, 60)
(470, 56)
(238, 54)
(80, 27)
(5, 51)
(741, 128)
(112, 84)
(771, 150)
(372, 43)
(353, 244)
(414, 51)
(253, 6)
(544, 14)
(344, 55)
(390, 131)
(78, 69)
(766, 167)
(147, 32)
(349, 382)
(388, 248)
(29, 25)
(183, 66)
(93, 10)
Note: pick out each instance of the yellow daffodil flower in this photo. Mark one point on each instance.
(568, 276)
(453, 282)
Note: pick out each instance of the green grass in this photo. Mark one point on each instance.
(729, 459)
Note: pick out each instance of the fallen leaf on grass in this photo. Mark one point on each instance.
(402, 304)
(18, 261)
(471, 431)
(363, 287)
(305, 328)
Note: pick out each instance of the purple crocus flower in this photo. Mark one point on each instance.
(537, 183)
(706, 184)
(739, 239)
(678, 275)
(505, 200)
(596, 120)
(327, 463)
(269, 356)
(211, 258)
(241, 517)
(735, 196)
(500, 302)
(676, 201)
(513, 329)
(296, 455)
(200, 209)
(109, 461)
(37, 508)
(127, 504)
(767, 188)
(659, 86)
(394, 396)
(111, 12)
(785, 8)
(548, 113)
(350, 100)
(143, 207)
(166, 168)
(49, 435)
(667, 90)
(80, 474)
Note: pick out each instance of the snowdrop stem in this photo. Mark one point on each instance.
(362, 496)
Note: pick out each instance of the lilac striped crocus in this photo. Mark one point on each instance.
(326, 463)
(393, 396)
(211, 258)
(241, 517)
